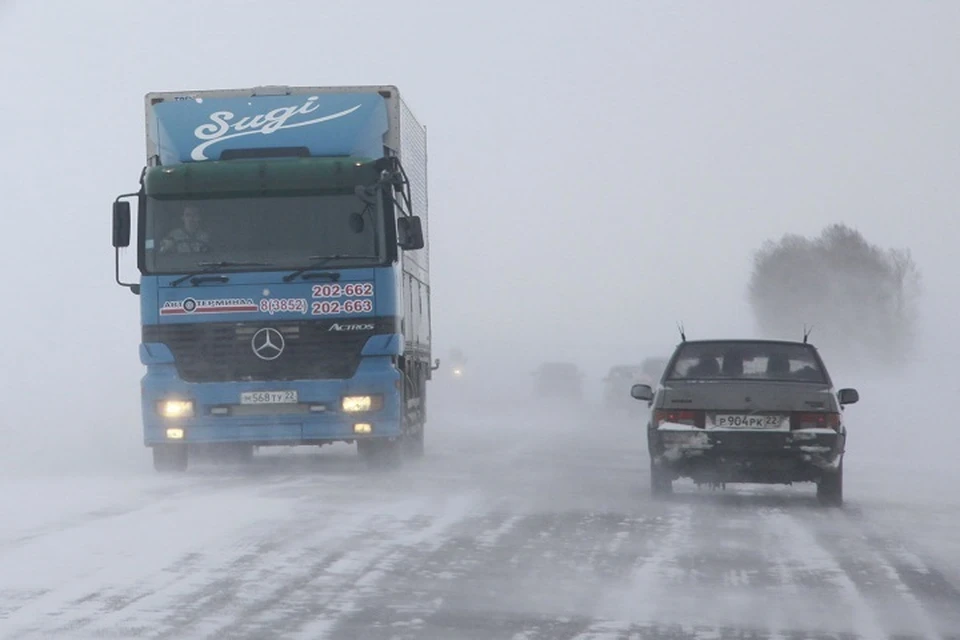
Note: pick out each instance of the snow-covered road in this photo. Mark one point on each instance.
(511, 527)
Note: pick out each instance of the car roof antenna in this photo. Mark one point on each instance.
(806, 332)
(683, 336)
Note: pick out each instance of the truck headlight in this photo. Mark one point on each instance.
(176, 408)
(354, 404)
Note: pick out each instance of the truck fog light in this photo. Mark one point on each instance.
(363, 428)
(174, 433)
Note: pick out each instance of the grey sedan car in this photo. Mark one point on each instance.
(747, 411)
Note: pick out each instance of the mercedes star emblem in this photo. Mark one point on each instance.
(267, 343)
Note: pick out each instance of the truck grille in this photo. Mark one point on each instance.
(223, 352)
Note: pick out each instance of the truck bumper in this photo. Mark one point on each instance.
(317, 417)
(718, 456)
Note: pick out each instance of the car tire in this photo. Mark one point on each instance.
(170, 458)
(830, 488)
(661, 484)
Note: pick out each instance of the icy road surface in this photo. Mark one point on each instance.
(509, 528)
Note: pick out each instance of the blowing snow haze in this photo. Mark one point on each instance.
(597, 174)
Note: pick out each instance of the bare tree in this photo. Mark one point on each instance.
(861, 299)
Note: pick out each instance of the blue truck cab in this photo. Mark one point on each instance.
(282, 247)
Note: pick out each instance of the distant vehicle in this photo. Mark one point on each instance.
(619, 380)
(559, 379)
(747, 411)
(458, 364)
(653, 369)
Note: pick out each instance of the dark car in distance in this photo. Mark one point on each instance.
(563, 380)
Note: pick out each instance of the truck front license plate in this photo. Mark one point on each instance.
(269, 397)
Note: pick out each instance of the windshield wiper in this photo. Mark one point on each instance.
(322, 260)
(207, 267)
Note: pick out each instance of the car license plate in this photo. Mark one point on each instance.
(269, 397)
(740, 421)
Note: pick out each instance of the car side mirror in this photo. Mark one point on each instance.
(848, 396)
(642, 392)
(121, 224)
(410, 233)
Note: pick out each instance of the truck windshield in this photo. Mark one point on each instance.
(282, 231)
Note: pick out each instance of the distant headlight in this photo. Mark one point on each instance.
(176, 409)
(355, 404)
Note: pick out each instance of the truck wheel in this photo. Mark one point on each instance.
(413, 444)
(412, 441)
(660, 482)
(830, 488)
(240, 454)
(170, 458)
(380, 453)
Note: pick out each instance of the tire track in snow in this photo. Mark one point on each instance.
(166, 491)
(912, 597)
(309, 602)
(842, 603)
(653, 570)
(91, 573)
(497, 576)
(127, 568)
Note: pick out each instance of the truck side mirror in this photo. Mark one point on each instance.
(121, 224)
(410, 233)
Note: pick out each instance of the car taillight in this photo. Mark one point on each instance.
(817, 420)
(692, 418)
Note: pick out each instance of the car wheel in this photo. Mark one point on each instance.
(830, 488)
(660, 482)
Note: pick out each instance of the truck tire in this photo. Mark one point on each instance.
(170, 458)
(830, 488)
(412, 439)
(413, 443)
(238, 453)
(661, 485)
(380, 453)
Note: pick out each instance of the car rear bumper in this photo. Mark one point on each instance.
(776, 457)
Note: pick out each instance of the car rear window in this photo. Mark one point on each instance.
(747, 361)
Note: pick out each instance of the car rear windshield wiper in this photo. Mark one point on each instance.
(207, 267)
(322, 260)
